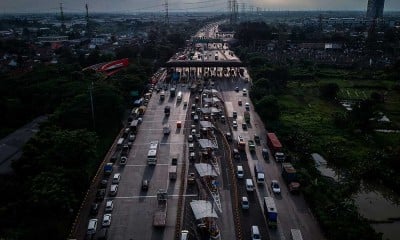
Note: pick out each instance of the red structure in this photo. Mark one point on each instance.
(110, 68)
(273, 142)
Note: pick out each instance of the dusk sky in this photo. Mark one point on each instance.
(42, 6)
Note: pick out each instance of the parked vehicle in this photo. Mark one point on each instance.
(271, 214)
(290, 177)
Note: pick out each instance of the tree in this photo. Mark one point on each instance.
(268, 108)
(329, 91)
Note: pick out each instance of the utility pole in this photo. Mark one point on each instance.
(166, 13)
(87, 20)
(92, 105)
(62, 17)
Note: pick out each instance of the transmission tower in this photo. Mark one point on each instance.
(87, 20)
(233, 8)
(62, 17)
(166, 20)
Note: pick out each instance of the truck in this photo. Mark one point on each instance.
(290, 176)
(167, 110)
(247, 116)
(172, 172)
(276, 147)
(160, 215)
(252, 145)
(259, 173)
(152, 153)
(172, 92)
(271, 214)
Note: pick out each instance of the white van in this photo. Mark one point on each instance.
(120, 142)
(249, 185)
(239, 171)
(255, 233)
(92, 226)
(184, 235)
(179, 96)
(296, 234)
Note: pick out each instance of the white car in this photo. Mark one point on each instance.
(106, 220)
(234, 124)
(190, 138)
(275, 187)
(116, 178)
(113, 189)
(244, 92)
(109, 206)
(245, 203)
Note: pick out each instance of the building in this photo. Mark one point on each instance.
(375, 9)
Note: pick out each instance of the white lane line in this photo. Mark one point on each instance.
(152, 196)
(145, 165)
(170, 143)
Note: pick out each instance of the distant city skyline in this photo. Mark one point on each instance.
(46, 6)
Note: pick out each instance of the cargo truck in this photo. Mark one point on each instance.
(172, 172)
(271, 214)
(290, 176)
(276, 147)
(160, 215)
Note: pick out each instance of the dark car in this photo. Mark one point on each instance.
(103, 183)
(100, 194)
(94, 209)
(145, 185)
(265, 154)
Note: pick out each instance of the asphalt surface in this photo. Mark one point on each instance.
(293, 211)
(11, 145)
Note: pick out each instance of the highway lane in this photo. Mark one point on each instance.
(133, 208)
(293, 211)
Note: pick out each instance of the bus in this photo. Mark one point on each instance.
(271, 214)
(152, 153)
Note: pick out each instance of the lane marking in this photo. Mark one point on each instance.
(152, 196)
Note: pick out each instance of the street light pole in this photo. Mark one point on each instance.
(92, 105)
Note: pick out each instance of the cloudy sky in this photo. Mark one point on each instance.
(42, 6)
